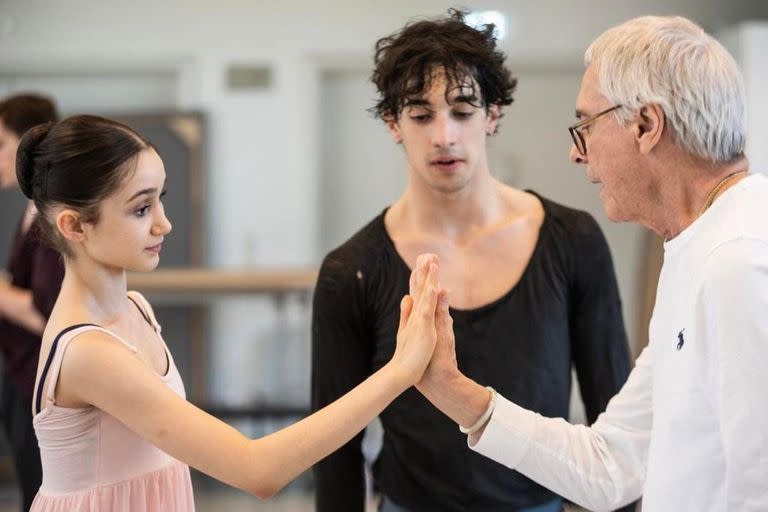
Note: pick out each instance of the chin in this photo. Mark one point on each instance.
(450, 186)
(144, 266)
(615, 213)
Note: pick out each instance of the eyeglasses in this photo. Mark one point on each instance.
(575, 130)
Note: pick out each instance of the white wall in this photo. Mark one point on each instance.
(260, 146)
(749, 44)
(263, 206)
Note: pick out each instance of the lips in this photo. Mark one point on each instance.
(446, 164)
(156, 248)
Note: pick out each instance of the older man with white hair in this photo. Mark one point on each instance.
(662, 129)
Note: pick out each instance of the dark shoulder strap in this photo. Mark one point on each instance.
(145, 308)
(49, 360)
(141, 310)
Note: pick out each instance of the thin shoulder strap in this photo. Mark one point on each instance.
(56, 355)
(49, 360)
(149, 315)
(145, 309)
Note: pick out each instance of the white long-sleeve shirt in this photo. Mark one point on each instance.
(689, 429)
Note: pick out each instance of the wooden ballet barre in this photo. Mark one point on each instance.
(197, 280)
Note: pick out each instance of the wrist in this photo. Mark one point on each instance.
(457, 396)
(440, 384)
(474, 402)
(479, 424)
(397, 376)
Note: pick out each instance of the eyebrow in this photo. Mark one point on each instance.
(579, 114)
(416, 102)
(421, 102)
(465, 98)
(145, 191)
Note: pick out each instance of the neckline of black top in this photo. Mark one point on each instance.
(456, 313)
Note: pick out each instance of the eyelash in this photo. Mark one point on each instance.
(423, 118)
(142, 211)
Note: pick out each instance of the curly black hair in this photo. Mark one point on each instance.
(406, 60)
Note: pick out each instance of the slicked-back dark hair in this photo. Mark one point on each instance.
(405, 62)
(76, 163)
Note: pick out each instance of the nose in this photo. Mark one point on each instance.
(575, 156)
(445, 131)
(162, 225)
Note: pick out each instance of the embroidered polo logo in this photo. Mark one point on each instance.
(680, 339)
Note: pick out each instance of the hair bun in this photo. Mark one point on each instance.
(27, 171)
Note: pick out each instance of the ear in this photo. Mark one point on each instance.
(393, 127)
(70, 225)
(492, 121)
(649, 127)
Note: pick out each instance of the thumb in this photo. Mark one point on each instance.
(406, 306)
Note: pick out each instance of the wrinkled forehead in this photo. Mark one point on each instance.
(590, 98)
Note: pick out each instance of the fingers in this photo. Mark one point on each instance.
(427, 302)
(419, 274)
(414, 283)
(406, 306)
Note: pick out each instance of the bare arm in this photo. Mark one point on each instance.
(101, 372)
(456, 395)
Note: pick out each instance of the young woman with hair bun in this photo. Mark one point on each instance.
(115, 430)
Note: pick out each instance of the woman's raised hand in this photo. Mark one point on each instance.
(417, 334)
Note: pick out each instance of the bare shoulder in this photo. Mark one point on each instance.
(522, 204)
(394, 219)
(90, 364)
(91, 347)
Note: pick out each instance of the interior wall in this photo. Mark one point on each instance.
(264, 165)
(258, 161)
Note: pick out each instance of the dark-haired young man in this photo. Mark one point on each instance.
(26, 301)
(531, 285)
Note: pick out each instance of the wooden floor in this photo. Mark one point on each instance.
(211, 502)
(227, 501)
(213, 496)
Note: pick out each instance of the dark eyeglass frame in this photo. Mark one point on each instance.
(575, 130)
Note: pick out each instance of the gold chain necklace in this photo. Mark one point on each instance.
(716, 190)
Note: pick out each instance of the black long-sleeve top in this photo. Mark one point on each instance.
(564, 311)
(36, 267)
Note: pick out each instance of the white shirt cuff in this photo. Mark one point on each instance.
(507, 435)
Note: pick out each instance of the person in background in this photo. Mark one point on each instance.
(26, 300)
